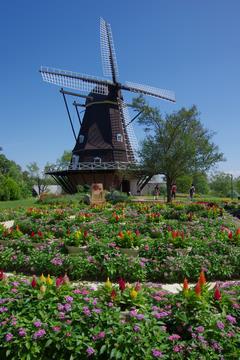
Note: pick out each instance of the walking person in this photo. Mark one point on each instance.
(174, 190)
(192, 191)
(156, 192)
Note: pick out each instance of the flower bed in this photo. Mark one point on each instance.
(46, 318)
(171, 242)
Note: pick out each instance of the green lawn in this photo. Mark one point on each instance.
(18, 203)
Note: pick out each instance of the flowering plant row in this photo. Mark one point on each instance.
(45, 317)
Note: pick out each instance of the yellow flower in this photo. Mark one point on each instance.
(42, 278)
(49, 280)
(133, 294)
(43, 289)
(108, 284)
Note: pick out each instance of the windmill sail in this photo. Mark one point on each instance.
(150, 91)
(130, 137)
(75, 81)
(108, 54)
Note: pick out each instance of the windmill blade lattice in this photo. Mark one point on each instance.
(150, 91)
(127, 125)
(108, 54)
(75, 81)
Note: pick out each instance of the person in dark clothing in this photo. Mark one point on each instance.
(192, 191)
(173, 191)
(156, 192)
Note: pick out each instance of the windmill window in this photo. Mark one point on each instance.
(119, 137)
(81, 139)
(97, 160)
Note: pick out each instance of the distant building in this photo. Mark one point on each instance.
(50, 189)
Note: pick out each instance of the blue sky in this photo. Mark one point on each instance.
(191, 47)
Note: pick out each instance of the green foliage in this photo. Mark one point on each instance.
(177, 144)
(220, 184)
(116, 196)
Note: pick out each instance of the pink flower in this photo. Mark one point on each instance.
(174, 337)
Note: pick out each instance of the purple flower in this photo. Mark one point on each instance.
(140, 316)
(22, 332)
(69, 299)
(86, 311)
(136, 328)
(110, 304)
(177, 348)
(39, 334)
(95, 300)
(133, 313)
(57, 261)
(231, 319)
(216, 346)
(61, 315)
(3, 309)
(156, 353)
(100, 335)
(161, 314)
(77, 291)
(60, 307)
(90, 351)
(67, 307)
(37, 324)
(220, 325)
(97, 311)
(56, 328)
(200, 329)
(174, 337)
(9, 337)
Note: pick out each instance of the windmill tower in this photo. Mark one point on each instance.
(106, 145)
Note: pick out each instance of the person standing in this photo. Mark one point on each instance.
(156, 192)
(192, 191)
(174, 190)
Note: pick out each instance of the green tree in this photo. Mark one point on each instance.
(221, 184)
(183, 183)
(175, 145)
(9, 189)
(65, 159)
(37, 177)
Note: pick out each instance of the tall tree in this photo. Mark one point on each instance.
(176, 144)
(37, 177)
(65, 159)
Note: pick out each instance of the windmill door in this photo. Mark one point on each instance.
(125, 186)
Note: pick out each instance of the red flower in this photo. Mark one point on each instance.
(113, 294)
(122, 284)
(217, 294)
(202, 279)
(137, 286)
(59, 281)
(40, 233)
(137, 232)
(32, 234)
(34, 282)
(1, 274)
(238, 232)
(230, 235)
(121, 235)
(85, 234)
(198, 289)
(185, 284)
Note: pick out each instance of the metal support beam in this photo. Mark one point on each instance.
(75, 94)
(69, 116)
(78, 115)
(134, 118)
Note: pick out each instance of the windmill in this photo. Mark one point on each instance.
(106, 145)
